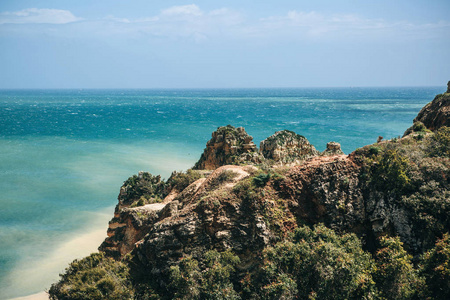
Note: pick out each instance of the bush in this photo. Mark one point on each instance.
(143, 185)
(419, 127)
(318, 264)
(93, 277)
(436, 270)
(261, 179)
(439, 143)
(180, 180)
(394, 275)
(390, 173)
(374, 150)
(189, 282)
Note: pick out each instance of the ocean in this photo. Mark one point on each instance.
(65, 153)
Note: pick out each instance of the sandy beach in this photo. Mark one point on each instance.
(45, 271)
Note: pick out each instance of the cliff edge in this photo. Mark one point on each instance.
(282, 222)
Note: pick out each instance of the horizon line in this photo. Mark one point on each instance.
(214, 88)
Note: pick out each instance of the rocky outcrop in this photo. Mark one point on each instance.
(228, 145)
(128, 227)
(333, 148)
(139, 205)
(435, 114)
(287, 147)
(207, 215)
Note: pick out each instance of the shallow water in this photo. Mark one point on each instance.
(65, 153)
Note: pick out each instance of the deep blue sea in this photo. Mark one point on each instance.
(65, 153)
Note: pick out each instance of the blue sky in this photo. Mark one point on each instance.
(223, 44)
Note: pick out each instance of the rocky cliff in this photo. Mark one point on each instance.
(228, 145)
(434, 115)
(212, 232)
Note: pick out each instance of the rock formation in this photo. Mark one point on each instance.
(333, 148)
(287, 147)
(435, 114)
(134, 213)
(392, 188)
(228, 145)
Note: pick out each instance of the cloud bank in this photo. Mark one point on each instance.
(38, 16)
(193, 23)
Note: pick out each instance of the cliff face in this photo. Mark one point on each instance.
(435, 114)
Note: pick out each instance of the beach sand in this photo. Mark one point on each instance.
(38, 296)
(44, 272)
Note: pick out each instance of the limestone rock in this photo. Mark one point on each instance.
(333, 148)
(448, 87)
(435, 114)
(287, 147)
(228, 145)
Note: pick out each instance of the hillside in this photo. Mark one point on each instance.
(283, 222)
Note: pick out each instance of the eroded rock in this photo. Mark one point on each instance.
(228, 145)
(333, 148)
(287, 147)
(435, 114)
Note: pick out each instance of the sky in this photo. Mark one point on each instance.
(223, 44)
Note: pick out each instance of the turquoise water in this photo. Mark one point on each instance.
(65, 153)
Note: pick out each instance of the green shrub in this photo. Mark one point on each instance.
(374, 150)
(188, 281)
(261, 179)
(395, 275)
(180, 180)
(143, 185)
(390, 173)
(93, 277)
(436, 270)
(317, 264)
(439, 143)
(419, 127)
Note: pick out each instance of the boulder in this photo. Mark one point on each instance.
(287, 147)
(228, 145)
(333, 148)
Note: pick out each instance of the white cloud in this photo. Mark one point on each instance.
(185, 21)
(313, 24)
(38, 15)
(183, 10)
(191, 22)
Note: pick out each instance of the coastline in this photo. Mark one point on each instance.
(38, 296)
(47, 270)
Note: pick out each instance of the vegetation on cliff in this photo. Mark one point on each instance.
(370, 225)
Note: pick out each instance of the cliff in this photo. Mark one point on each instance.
(241, 225)
(434, 115)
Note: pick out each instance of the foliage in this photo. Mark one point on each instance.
(144, 185)
(189, 282)
(439, 144)
(317, 264)
(374, 150)
(395, 275)
(93, 277)
(419, 127)
(180, 180)
(436, 269)
(390, 173)
(261, 179)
